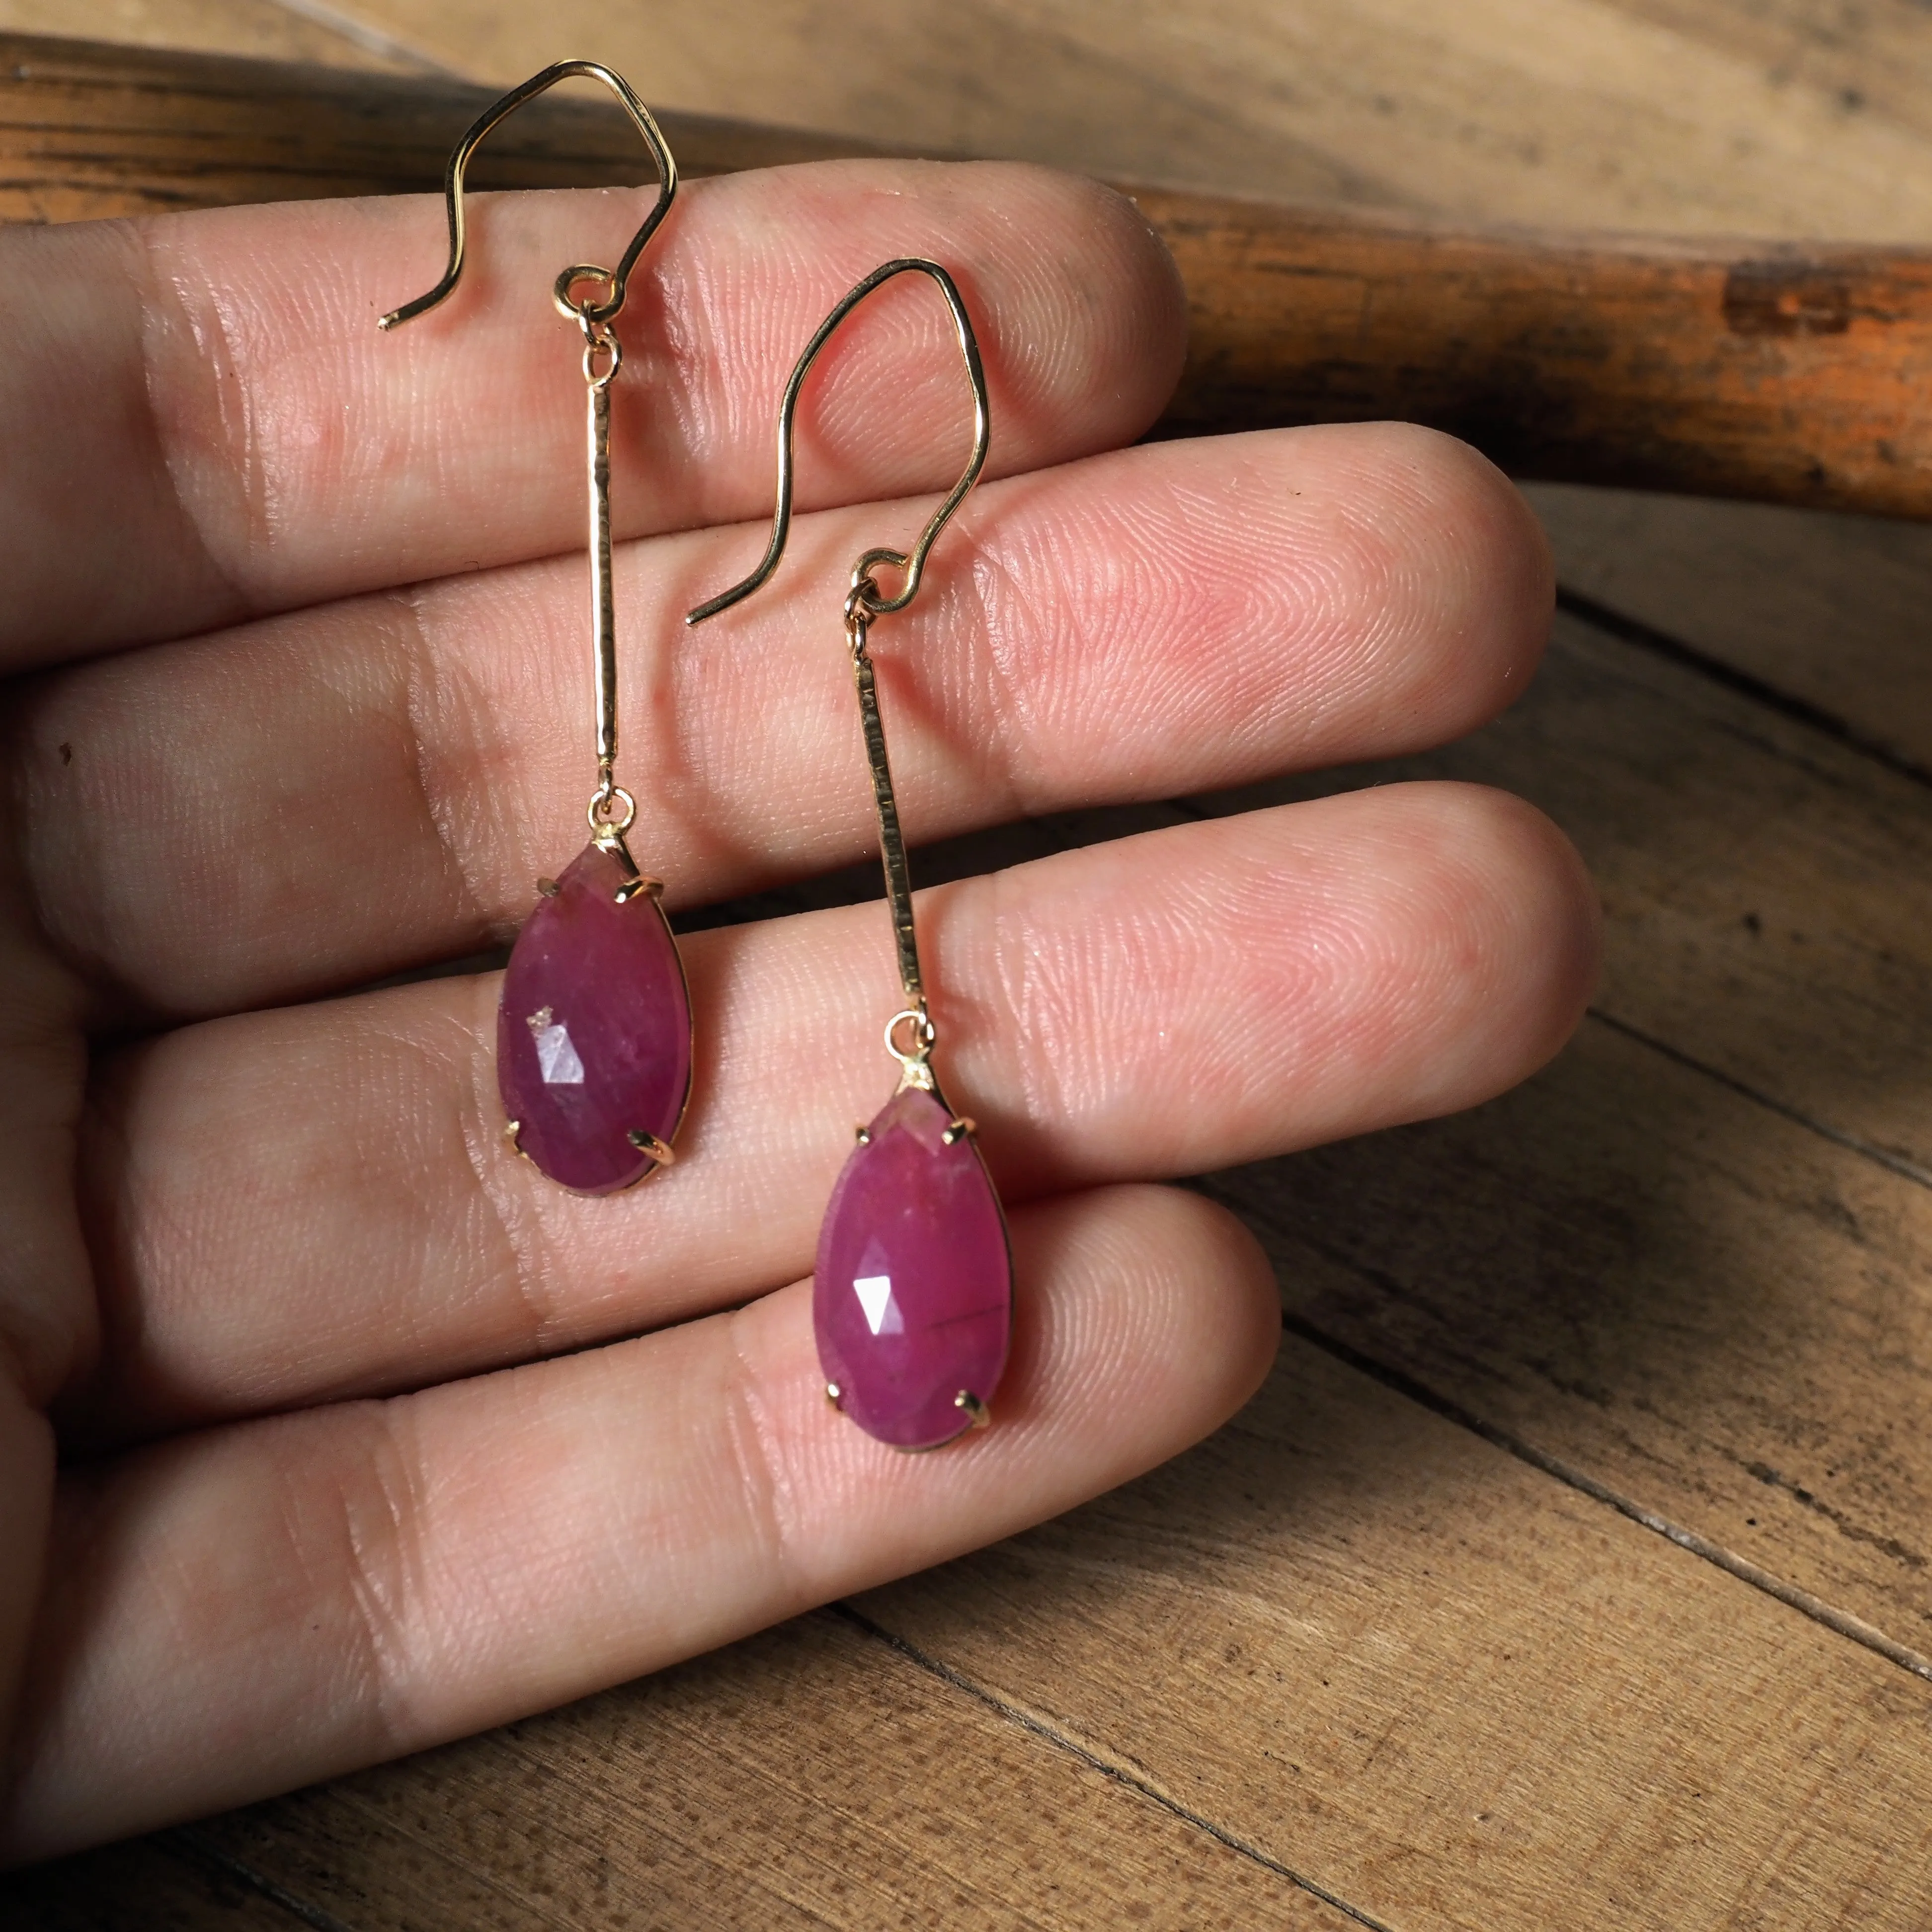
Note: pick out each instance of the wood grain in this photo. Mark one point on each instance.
(1786, 118)
(261, 29)
(1792, 376)
(1819, 609)
(152, 1885)
(1459, 1693)
(883, 1799)
(1389, 1632)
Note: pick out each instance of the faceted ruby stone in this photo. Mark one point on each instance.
(593, 1030)
(912, 1302)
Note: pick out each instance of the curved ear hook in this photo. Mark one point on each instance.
(593, 315)
(912, 563)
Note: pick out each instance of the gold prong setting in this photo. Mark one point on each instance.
(660, 1151)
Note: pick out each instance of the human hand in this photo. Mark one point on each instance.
(373, 1436)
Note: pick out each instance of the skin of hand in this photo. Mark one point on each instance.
(329, 1430)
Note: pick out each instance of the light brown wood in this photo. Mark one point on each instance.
(1500, 1707)
(263, 29)
(1390, 1631)
(1710, 117)
(884, 1798)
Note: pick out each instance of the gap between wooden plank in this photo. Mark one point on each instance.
(1118, 1773)
(1842, 1622)
(201, 1851)
(1645, 636)
(1893, 1163)
(1633, 631)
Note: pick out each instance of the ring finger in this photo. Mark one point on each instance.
(318, 1201)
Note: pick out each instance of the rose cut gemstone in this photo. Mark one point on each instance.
(593, 1030)
(912, 1301)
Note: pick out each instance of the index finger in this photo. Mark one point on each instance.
(203, 423)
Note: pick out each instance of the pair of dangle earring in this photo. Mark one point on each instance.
(593, 1027)
(912, 1296)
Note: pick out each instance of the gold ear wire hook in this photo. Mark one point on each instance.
(593, 316)
(913, 562)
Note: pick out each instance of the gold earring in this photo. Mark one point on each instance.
(593, 1027)
(912, 1300)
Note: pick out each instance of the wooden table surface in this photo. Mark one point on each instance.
(1574, 1568)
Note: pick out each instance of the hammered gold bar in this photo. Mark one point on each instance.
(892, 841)
(603, 607)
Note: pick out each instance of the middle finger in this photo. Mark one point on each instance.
(319, 799)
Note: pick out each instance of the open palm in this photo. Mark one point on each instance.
(370, 1435)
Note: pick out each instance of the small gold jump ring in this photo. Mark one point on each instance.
(925, 1033)
(613, 349)
(601, 822)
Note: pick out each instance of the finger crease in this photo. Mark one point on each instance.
(379, 1543)
(1034, 1073)
(157, 290)
(1006, 695)
(513, 1230)
(764, 1479)
(424, 706)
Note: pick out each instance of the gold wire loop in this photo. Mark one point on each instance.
(618, 278)
(609, 345)
(912, 563)
(585, 313)
(604, 821)
(925, 1037)
(865, 586)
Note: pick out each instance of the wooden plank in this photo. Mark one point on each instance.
(1794, 376)
(1751, 868)
(260, 29)
(1451, 1688)
(1829, 610)
(1703, 1290)
(1873, 58)
(151, 1884)
(1699, 1305)
(811, 1777)
(1557, 113)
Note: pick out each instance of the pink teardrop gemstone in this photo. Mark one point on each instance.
(912, 1303)
(593, 1030)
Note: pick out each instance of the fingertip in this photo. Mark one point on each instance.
(1519, 907)
(1439, 584)
(1561, 903)
(1164, 1318)
(1117, 365)
(1502, 596)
